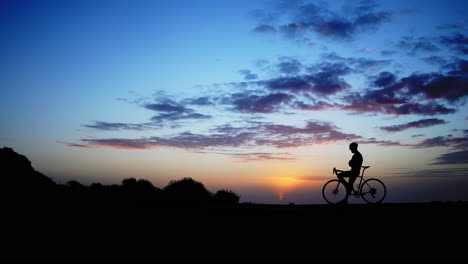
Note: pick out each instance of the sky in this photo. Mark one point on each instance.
(255, 96)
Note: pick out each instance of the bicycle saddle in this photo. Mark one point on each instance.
(365, 167)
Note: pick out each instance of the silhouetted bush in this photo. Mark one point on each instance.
(140, 189)
(187, 189)
(226, 197)
(74, 185)
(129, 182)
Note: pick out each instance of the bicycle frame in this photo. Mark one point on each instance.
(357, 192)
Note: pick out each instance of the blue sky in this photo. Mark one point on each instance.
(261, 97)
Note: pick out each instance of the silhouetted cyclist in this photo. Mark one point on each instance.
(355, 163)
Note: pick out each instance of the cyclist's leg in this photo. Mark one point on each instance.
(341, 177)
(351, 180)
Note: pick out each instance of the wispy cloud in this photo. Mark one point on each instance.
(248, 75)
(74, 145)
(100, 125)
(259, 156)
(415, 45)
(247, 103)
(121, 143)
(254, 135)
(415, 124)
(169, 112)
(458, 42)
(441, 141)
(407, 95)
(459, 157)
(431, 173)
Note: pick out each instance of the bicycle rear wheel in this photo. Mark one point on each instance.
(334, 191)
(373, 191)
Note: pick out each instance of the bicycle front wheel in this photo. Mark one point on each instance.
(334, 191)
(373, 191)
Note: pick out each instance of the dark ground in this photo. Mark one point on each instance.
(139, 231)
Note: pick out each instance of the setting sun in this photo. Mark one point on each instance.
(285, 183)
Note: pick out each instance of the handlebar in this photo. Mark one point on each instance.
(335, 170)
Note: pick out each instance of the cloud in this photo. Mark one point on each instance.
(413, 45)
(74, 145)
(264, 29)
(171, 111)
(384, 79)
(440, 141)
(437, 86)
(264, 134)
(315, 132)
(415, 124)
(121, 143)
(458, 42)
(435, 60)
(352, 65)
(293, 84)
(432, 173)
(327, 83)
(459, 157)
(199, 101)
(248, 75)
(184, 140)
(100, 125)
(459, 25)
(382, 143)
(166, 107)
(458, 68)
(315, 106)
(418, 94)
(259, 156)
(289, 65)
(178, 116)
(387, 52)
(324, 79)
(246, 103)
(415, 109)
(305, 17)
(188, 140)
(407, 95)
(255, 134)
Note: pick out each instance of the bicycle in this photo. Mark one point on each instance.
(371, 190)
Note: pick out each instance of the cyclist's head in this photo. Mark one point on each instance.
(353, 146)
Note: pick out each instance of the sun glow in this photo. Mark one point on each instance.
(285, 183)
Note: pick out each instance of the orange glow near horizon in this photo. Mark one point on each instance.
(285, 183)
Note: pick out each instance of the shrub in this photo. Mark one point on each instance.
(226, 197)
(187, 189)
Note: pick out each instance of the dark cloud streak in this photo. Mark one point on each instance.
(100, 125)
(459, 157)
(415, 124)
